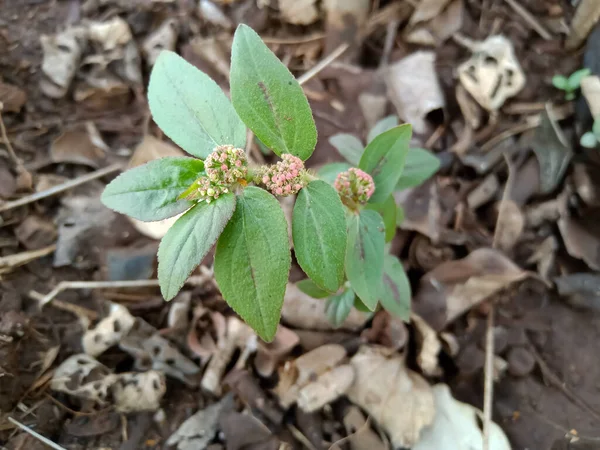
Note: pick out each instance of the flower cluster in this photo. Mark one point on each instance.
(226, 165)
(355, 186)
(286, 177)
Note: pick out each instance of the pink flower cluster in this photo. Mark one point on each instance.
(355, 186)
(226, 165)
(209, 191)
(286, 177)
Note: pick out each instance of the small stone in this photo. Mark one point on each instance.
(520, 362)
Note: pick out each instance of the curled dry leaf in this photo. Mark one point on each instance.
(545, 256)
(427, 10)
(109, 331)
(134, 392)
(299, 12)
(270, 354)
(301, 311)
(213, 14)
(36, 232)
(246, 432)
(12, 98)
(509, 226)
(414, 89)
(308, 369)
(400, 400)
(110, 34)
(454, 287)
(62, 53)
(493, 73)
(212, 327)
(78, 147)
(102, 91)
(163, 38)
(484, 192)
(428, 347)
(586, 16)
(361, 437)
(325, 389)
(238, 336)
(441, 26)
(456, 426)
(179, 310)
(387, 330)
(245, 386)
(581, 238)
(83, 377)
(196, 432)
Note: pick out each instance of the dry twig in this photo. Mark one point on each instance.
(36, 435)
(530, 19)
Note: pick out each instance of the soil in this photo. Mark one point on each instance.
(549, 397)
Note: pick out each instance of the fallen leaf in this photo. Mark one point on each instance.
(213, 14)
(102, 91)
(344, 21)
(299, 12)
(206, 329)
(110, 34)
(414, 89)
(552, 150)
(586, 16)
(361, 437)
(454, 287)
(268, 355)
(456, 426)
(212, 52)
(484, 192)
(301, 311)
(582, 290)
(246, 432)
(581, 238)
(493, 73)
(131, 263)
(400, 400)
(387, 330)
(12, 98)
(8, 184)
(590, 89)
(36, 232)
(196, 432)
(427, 9)
(246, 387)
(163, 38)
(428, 347)
(134, 392)
(83, 377)
(77, 147)
(109, 331)
(326, 388)
(441, 26)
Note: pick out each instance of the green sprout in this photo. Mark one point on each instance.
(570, 84)
(591, 139)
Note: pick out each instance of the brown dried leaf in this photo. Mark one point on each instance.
(109, 331)
(454, 287)
(301, 311)
(36, 232)
(428, 347)
(581, 240)
(427, 10)
(299, 12)
(586, 16)
(163, 38)
(110, 34)
(12, 98)
(509, 226)
(441, 27)
(400, 400)
(62, 52)
(77, 147)
(270, 354)
(204, 326)
(326, 388)
(590, 89)
(361, 437)
(133, 392)
(198, 430)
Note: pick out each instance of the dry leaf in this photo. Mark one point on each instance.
(163, 38)
(582, 290)
(109, 331)
(83, 377)
(214, 51)
(196, 432)
(102, 91)
(493, 73)
(399, 399)
(110, 34)
(133, 392)
(590, 89)
(207, 328)
(344, 21)
(77, 147)
(301, 311)
(213, 14)
(298, 12)
(428, 347)
(586, 16)
(12, 98)
(246, 432)
(456, 426)
(509, 226)
(454, 287)
(361, 437)
(428, 9)
(581, 240)
(325, 389)
(270, 354)
(484, 192)
(36, 232)
(441, 27)
(414, 89)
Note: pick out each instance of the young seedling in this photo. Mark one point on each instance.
(570, 84)
(338, 235)
(591, 139)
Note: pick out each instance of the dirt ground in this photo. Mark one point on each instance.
(508, 183)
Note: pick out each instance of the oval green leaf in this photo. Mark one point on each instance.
(349, 146)
(338, 307)
(268, 98)
(419, 166)
(384, 159)
(191, 108)
(253, 260)
(319, 234)
(309, 287)
(387, 210)
(395, 290)
(188, 241)
(149, 192)
(364, 255)
(329, 172)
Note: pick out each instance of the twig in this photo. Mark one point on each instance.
(198, 280)
(335, 54)
(530, 19)
(9, 147)
(293, 40)
(61, 187)
(43, 439)
(390, 37)
(79, 311)
(488, 389)
(19, 259)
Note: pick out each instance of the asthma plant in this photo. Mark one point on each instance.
(338, 232)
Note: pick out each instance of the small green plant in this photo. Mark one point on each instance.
(591, 139)
(570, 84)
(338, 229)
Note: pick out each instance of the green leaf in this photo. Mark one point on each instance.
(309, 287)
(149, 192)
(338, 307)
(596, 129)
(329, 172)
(560, 82)
(420, 165)
(384, 159)
(385, 124)
(364, 255)
(188, 241)
(574, 81)
(319, 234)
(191, 108)
(588, 140)
(358, 304)
(268, 98)
(399, 215)
(395, 290)
(253, 260)
(387, 210)
(348, 146)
